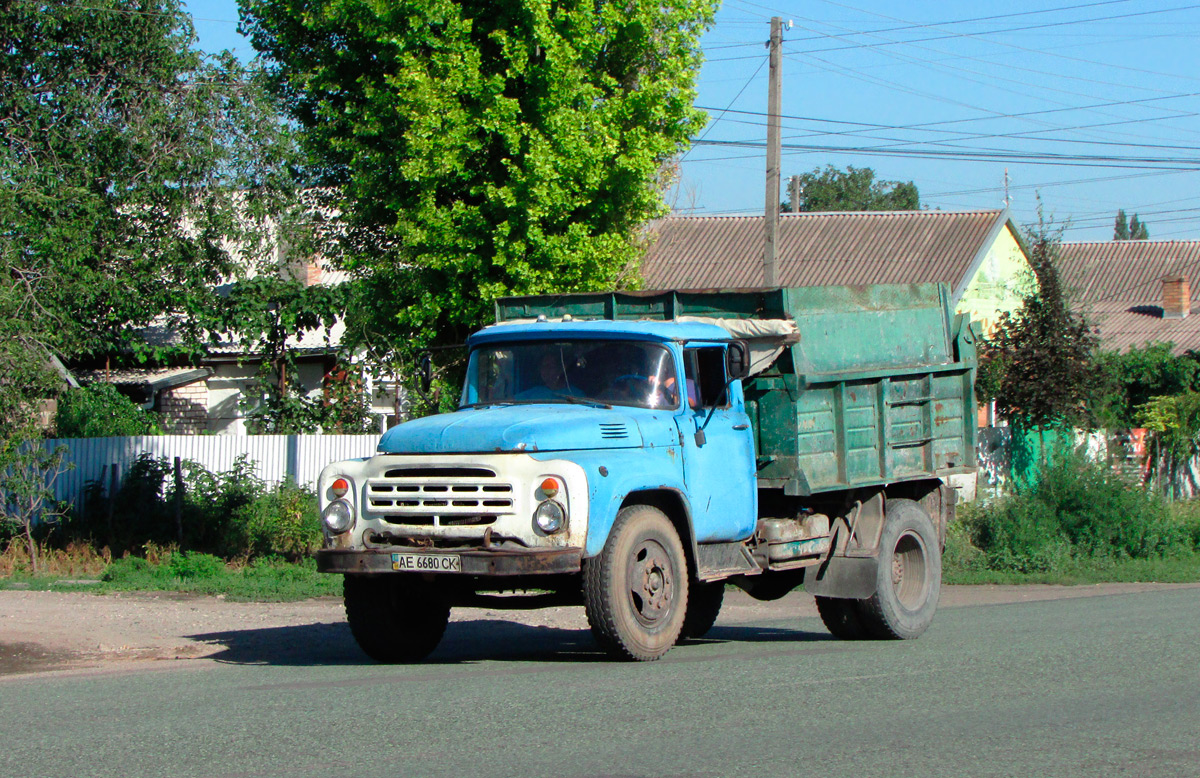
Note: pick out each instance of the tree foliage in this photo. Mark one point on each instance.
(854, 189)
(476, 149)
(1133, 378)
(128, 159)
(100, 411)
(131, 163)
(1039, 364)
(1129, 229)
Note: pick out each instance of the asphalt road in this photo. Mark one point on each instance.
(1096, 686)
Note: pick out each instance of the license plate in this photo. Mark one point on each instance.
(427, 563)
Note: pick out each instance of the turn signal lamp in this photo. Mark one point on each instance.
(340, 487)
(550, 487)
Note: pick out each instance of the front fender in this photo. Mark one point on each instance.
(614, 474)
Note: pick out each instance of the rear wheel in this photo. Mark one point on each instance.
(394, 618)
(704, 605)
(635, 591)
(841, 617)
(909, 577)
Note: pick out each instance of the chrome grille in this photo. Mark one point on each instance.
(439, 496)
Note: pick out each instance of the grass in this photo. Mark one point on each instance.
(1181, 568)
(267, 580)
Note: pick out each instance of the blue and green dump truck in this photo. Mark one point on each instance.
(638, 451)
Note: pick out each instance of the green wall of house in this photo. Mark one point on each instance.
(997, 285)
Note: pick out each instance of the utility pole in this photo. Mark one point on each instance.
(774, 100)
(794, 192)
(1006, 200)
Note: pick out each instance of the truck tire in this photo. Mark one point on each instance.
(393, 618)
(910, 575)
(841, 617)
(635, 591)
(703, 607)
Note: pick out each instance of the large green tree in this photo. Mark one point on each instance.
(129, 160)
(852, 189)
(481, 148)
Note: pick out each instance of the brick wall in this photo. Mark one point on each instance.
(184, 409)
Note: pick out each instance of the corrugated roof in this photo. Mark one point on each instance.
(1118, 286)
(817, 249)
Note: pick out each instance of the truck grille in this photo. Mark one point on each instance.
(440, 496)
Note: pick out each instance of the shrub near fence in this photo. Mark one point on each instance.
(234, 514)
(275, 458)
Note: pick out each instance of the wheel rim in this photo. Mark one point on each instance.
(909, 571)
(651, 583)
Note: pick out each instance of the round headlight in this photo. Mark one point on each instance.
(337, 516)
(550, 517)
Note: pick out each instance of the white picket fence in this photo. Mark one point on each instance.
(276, 458)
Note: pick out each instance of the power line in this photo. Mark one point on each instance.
(1082, 160)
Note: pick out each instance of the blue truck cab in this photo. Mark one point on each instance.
(604, 460)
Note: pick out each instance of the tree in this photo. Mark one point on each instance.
(854, 189)
(129, 161)
(1136, 377)
(1121, 228)
(1138, 229)
(1039, 363)
(1129, 229)
(479, 148)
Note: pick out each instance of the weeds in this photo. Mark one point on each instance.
(1078, 517)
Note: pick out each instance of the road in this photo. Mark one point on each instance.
(1087, 686)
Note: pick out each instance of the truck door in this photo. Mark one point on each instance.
(718, 449)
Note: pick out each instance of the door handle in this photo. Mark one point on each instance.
(741, 426)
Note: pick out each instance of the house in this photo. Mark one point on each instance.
(1135, 291)
(978, 254)
(208, 397)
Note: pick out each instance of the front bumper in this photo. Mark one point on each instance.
(544, 561)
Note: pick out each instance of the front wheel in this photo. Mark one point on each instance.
(635, 591)
(909, 578)
(394, 618)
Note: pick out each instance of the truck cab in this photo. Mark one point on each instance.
(606, 460)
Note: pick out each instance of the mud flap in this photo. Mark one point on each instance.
(843, 577)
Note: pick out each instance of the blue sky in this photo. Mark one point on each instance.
(1094, 105)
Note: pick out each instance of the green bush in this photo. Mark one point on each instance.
(232, 515)
(1075, 509)
(100, 411)
(284, 523)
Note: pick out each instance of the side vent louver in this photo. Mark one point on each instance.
(613, 431)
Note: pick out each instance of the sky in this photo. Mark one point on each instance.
(1093, 106)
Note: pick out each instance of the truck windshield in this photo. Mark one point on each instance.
(572, 371)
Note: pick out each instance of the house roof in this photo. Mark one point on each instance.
(153, 378)
(1118, 286)
(821, 249)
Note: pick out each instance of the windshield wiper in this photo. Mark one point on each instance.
(582, 401)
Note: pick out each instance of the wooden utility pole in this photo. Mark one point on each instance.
(774, 99)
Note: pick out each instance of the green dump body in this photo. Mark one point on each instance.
(875, 386)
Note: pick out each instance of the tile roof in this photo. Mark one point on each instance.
(817, 249)
(1118, 286)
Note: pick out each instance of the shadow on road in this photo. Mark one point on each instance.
(465, 641)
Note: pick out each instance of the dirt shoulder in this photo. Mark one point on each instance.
(47, 631)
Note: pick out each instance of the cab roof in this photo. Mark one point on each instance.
(639, 329)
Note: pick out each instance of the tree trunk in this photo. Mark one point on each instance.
(31, 545)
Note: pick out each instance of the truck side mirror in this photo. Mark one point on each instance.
(737, 360)
(426, 372)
